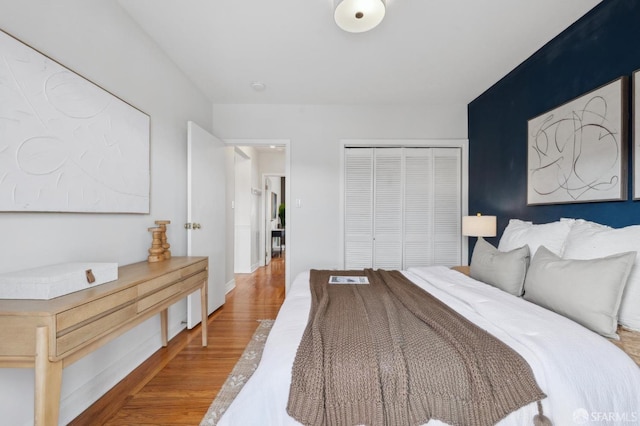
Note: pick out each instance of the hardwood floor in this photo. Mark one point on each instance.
(176, 385)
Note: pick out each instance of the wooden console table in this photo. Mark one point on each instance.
(50, 334)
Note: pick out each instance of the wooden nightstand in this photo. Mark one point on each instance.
(462, 269)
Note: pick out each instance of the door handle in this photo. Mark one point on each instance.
(190, 225)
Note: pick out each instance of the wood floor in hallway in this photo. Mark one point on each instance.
(176, 385)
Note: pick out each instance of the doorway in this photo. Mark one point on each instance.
(274, 230)
(266, 159)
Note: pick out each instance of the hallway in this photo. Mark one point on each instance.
(176, 385)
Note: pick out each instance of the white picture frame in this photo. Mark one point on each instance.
(577, 152)
(66, 144)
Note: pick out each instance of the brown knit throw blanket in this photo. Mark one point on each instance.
(389, 353)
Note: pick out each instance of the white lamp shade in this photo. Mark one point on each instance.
(479, 226)
(357, 16)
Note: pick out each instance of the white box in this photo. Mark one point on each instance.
(52, 281)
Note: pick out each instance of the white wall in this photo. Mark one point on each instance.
(250, 199)
(266, 242)
(99, 41)
(272, 162)
(272, 167)
(314, 133)
(256, 206)
(277, 189)
(230, 197)
(243, 173)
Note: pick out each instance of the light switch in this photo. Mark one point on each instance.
(298, 202)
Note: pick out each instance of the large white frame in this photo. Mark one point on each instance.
(66, 144)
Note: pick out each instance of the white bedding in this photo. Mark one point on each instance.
(581, 372)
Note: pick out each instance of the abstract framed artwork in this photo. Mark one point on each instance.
(636, 135)
(577, 152)
(66, 144)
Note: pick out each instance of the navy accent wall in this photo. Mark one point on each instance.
(600, 47)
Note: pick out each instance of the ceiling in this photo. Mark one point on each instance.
(425, 52)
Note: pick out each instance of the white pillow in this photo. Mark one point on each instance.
(587, 291)
(586, 225)
(504, 270)
(588, 240)
(551, 235)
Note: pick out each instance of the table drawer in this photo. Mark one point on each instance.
(94, 329)
(76, 316)
(158, 283)
(157, 297)
(161, 295)
(192, 269)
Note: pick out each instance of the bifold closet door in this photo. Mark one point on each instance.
(387, 208)
(358, 202)
(418, 208)
(447, 210)
(402, 207)
(373, 208)
(432, 207)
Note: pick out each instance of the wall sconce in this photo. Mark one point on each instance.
(479, 226)
(357, 16)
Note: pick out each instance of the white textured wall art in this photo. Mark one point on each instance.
(67, 145)
(577, 152)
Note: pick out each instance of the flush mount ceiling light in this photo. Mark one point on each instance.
(357, 16)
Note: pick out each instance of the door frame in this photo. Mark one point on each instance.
(265, 234)
(286, 143)
(463, 144)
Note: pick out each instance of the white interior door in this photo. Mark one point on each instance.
(206, 214)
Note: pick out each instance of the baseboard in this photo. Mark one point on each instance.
(230, 286)
(84, 396)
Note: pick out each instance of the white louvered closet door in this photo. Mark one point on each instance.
(403, 207)
(387, 211)
(447, 209)
(418, 207)
(358, 194)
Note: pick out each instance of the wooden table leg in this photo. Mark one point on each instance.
(205, 310)
(164, 327)
(47, 383)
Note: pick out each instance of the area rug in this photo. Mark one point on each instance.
(241, 372)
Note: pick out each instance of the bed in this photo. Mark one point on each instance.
(587, 377)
